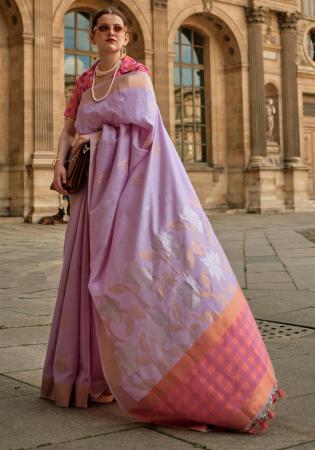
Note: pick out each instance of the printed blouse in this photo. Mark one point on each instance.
(84, 82)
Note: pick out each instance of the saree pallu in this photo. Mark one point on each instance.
(164, 323)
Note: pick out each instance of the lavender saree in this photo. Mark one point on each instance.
(148, 305)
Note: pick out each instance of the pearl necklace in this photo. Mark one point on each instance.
(109, 89)
(101, 73)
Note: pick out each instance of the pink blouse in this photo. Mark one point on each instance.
(84, 82)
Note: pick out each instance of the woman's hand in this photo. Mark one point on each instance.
(60, 177)
(81, 139)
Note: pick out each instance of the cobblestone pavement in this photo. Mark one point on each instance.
(275, 265)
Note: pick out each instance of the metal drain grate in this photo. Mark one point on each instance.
(274, 330)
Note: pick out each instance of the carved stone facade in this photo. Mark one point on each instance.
(256, 98)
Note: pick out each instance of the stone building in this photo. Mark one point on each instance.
(234, 79)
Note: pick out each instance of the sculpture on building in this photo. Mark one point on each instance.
(271, 112)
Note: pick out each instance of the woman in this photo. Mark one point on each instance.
(148, 309)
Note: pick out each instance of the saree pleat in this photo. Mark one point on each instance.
(72, 371)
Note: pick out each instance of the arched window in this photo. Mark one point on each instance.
(310, 44)
(190, 101)
(79, 52)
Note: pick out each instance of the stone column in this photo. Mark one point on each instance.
(160, 58)
(255, 19)
(291, 129)
(295, 172)
(261, 192)
(43, 201)
(43, 77)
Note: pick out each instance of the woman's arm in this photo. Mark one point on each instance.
(65, 142)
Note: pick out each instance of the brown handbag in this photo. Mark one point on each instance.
(76, 164)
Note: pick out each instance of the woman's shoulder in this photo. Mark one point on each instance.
(129, 64)
(84, 81)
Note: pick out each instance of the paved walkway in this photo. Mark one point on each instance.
(275, 265)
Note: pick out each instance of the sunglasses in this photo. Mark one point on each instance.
(106, 28)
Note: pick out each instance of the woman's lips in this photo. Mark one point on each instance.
(111, 40)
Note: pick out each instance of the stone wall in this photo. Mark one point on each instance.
(244, 170)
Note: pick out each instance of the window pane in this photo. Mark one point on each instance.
(201, 114)
(177, 76)
(198, 55)
(198, 77)
(176, 50)
(204, 152)
(83, 63)
(69, 20)
(198, 39)
(83, 40)
(178, 137)
(188, 141)
(200, 143)
(188, 153)
(69, 64)
(187, 95)
(311, 44)
(178, 116)
(177, 96)
(203, 135)
(201, 153)
(186, 36)
(200, 97)
(177, 36)
(83, 20)
(188, 111)
(186, 76)
(69, 38)
(186, 54)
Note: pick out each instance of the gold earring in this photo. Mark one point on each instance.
(123, 52)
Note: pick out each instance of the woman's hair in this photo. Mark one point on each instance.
(113, 11)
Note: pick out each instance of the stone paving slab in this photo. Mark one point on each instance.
(283, 299)
(304, 316)
(292, 245)
(303, 277)
(272, 286)
(296, 375)
(134, 439)
(255, 241)
(296, 252)
(32, 377)
(12, 389)
(264, 267)
(22, 357)
(12, 318)
(25, 335)
(262, 250)
(262, 259)
(35, 422)
(309, 446)
(304, 262)
(276, 305)
(268, 277)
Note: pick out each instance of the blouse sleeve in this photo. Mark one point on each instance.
(142, 68)
(74, 101)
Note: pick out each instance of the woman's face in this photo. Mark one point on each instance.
(109, 34)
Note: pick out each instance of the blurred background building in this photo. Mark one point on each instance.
(235, 83)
